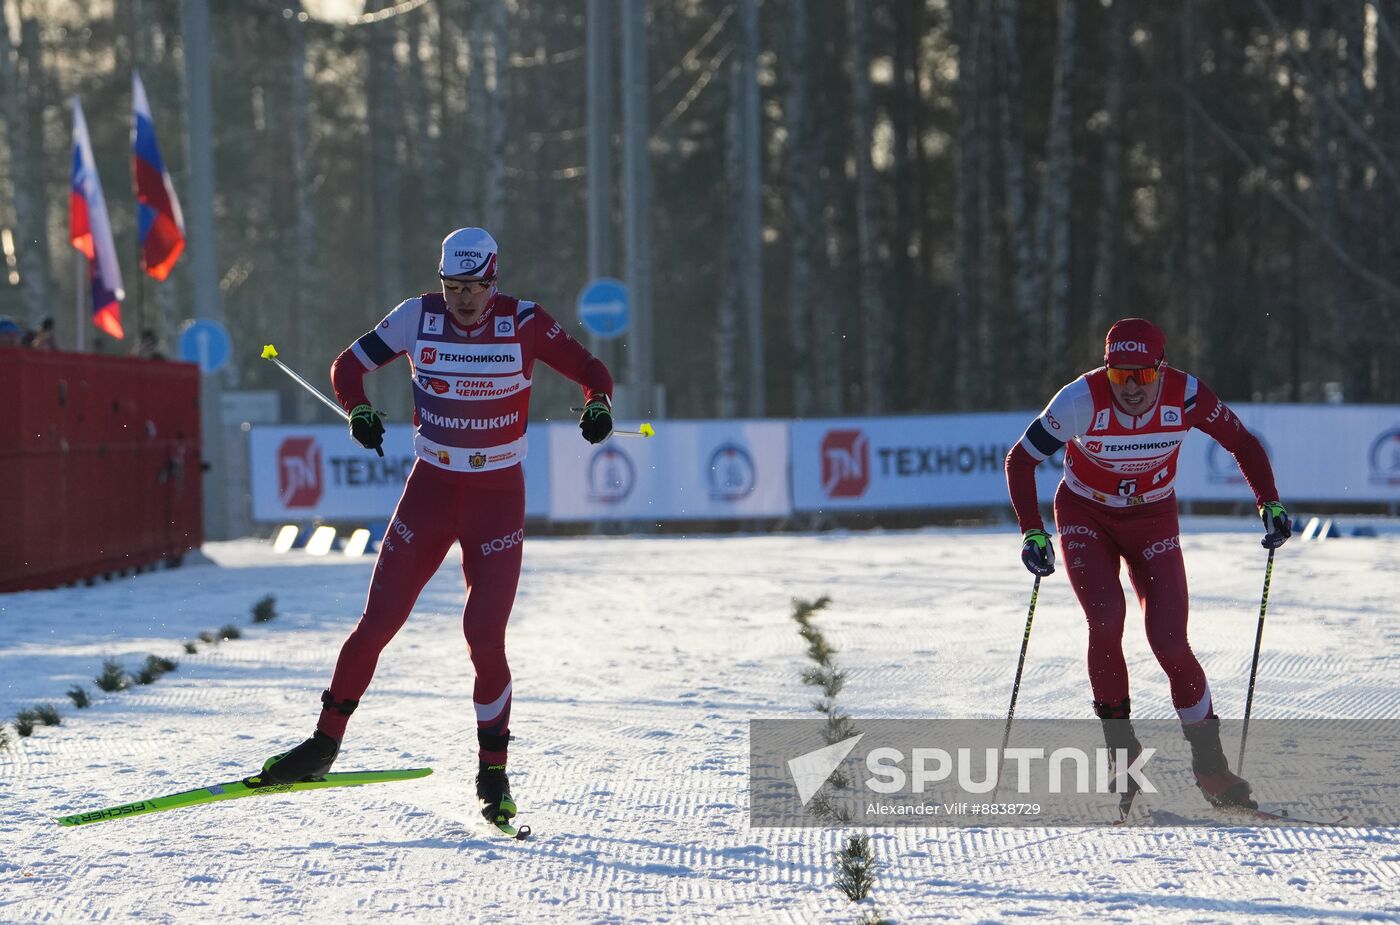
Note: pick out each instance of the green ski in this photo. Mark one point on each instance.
(506, 828)
(233, 790)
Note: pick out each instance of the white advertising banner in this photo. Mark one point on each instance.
(1319, 453)
(954, 460)
(317, 472)
(691, 470)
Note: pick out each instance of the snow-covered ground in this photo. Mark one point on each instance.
(637, 663)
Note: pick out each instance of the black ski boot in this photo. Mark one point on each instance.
(1218, 784)
(1118, 735)
(310, 760)
(493, 792)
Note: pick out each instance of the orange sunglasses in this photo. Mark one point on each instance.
(1143, 376)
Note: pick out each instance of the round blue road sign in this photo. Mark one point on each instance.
(603, 307)
(207, 343)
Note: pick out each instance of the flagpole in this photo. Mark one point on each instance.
(140, 254)
(79, 328)
(140, 283)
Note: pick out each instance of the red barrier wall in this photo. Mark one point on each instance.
(99, 465)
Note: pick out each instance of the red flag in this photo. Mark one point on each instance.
(159, 221)
(91, 232)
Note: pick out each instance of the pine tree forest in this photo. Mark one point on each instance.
(957, 197)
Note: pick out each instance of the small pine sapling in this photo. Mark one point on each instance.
(265, 609)
(47, 714)
(112, 678)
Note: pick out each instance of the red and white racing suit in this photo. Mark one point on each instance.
(471, 391)
(1117, 502)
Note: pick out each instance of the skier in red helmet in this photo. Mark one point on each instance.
(1122, 426)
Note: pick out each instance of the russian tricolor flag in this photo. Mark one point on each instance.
(159, 221)
(91, 232)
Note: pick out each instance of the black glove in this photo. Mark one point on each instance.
(596, 421)
(366, 428)
(1278, 527)
(1038, 553)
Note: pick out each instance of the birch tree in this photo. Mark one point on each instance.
(968, 166)
(31, 239)
(875, 332)
(1029, 287)
(803, 208)
(1055, 199)
(1106, 297)
(305, 278)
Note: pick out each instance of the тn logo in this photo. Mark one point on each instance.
(299, 482)
(428, 357)
(845, 463)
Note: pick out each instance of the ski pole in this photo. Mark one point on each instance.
(1254, 667)
(646, 429)
(270, 353)
(1016, 685)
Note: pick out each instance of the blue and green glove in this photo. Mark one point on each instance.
(1278, 526)
(1038, 553)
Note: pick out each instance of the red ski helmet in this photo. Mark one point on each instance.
(1134, 342)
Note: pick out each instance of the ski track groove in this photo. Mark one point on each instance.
(631, 756)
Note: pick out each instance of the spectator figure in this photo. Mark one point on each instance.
(43, 339)
(11, 334)
(148, 345)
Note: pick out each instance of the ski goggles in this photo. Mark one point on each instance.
(469, 286)
(1141, 376)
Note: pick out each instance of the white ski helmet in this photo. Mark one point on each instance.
(468, 252)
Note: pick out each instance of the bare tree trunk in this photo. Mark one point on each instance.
(497, 68)
(1361, 372)
(1107, 294)
(916, 382)
(991, 307)
(1322, 172)
(1192, 207)
(26, 154)
(450, 204)
(1030, 336)
(36, 85)
(748, 109)
(1055, 199)
(727, 335)
(386, 225)
(803, 208)
(968, 35)
(1388, 120)
(874, 328)
(305, 278)
(417, 115)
